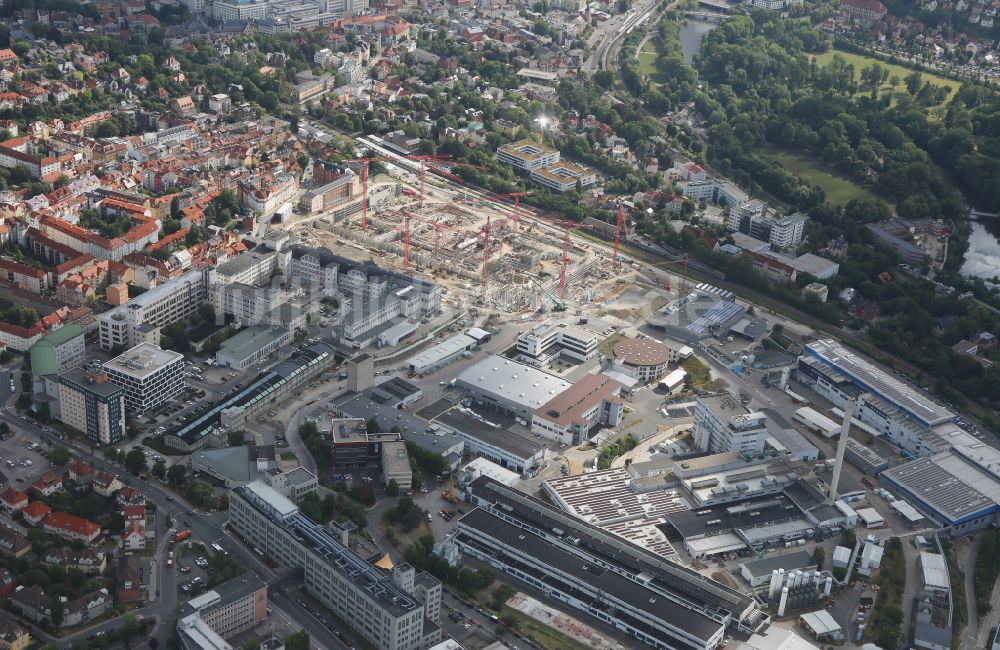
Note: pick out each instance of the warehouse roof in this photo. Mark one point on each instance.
(511, 382)
(787, 561)
(935, 570)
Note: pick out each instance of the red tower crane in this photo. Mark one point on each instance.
(565, 259)
(364, 178)
(485, 277)
(517, 215)
(618, 233)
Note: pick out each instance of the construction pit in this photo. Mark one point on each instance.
(531, 264)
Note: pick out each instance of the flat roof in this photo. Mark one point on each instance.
(710, 520)
(511, 382)
(251, 340)
(516, 445)
(612, 550)
(946, 483)
(918, 405)
(607, 582)
(143, 360)
(80, 378)
(243, 261)
(276, 500)
(870, 516)
(935, 570)
(786, 561)
(441, 351)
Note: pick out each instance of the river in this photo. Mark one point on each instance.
(982, 260)
(691, 34)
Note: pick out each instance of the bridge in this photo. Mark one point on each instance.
(706, 16)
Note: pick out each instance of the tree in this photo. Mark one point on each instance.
(59, 455)
(392, 488)
(58, 612)
(160, 470)
(297, 641)
(819, 557)
(198, 492)
(135, 461)
(372, 425)
(176, 474)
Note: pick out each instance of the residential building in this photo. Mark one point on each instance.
(58, 351)
(140, 319)
(149, 375)
(13, 501)
(88, 560)
(723, 424)
(107, 484)
(12, 542)
(91, 404)
(384, 612)
(35, 605)
(13, 636)
(71, 527)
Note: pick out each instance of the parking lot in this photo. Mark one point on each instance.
(22, 460)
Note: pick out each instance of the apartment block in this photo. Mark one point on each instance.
(149, 375)
(58, 351)
(90, 403)
(385, 610)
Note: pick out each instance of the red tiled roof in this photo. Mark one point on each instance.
(71, 523)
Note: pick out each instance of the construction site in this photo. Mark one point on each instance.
(488, 249)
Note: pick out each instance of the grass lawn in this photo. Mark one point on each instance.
(543, 636)
(646, 57)
(839, 188)
(701, 376)
(860, 61)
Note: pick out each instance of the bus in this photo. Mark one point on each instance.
(219, 549)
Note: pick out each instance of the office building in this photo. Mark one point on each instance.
(387, 611)
(149, 375)
(780, 231)
(225, 10)
(548, 341)
(527, 155)
(140, 319)
(660, 603)
(510, 386)
(294, 484)
(722, 424)
(642, 359)
(253, 268)
(91, 404)
(229, 609)
(569, 417)
(511, 447)
(564, 176)
(58, 351)
(396, 465)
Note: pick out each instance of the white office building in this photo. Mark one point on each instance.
(149, 375)
(527, 155)
(722, 424)
(140, 319)
(397, 612)
(549, 340)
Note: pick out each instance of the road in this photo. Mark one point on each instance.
(207, 527)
